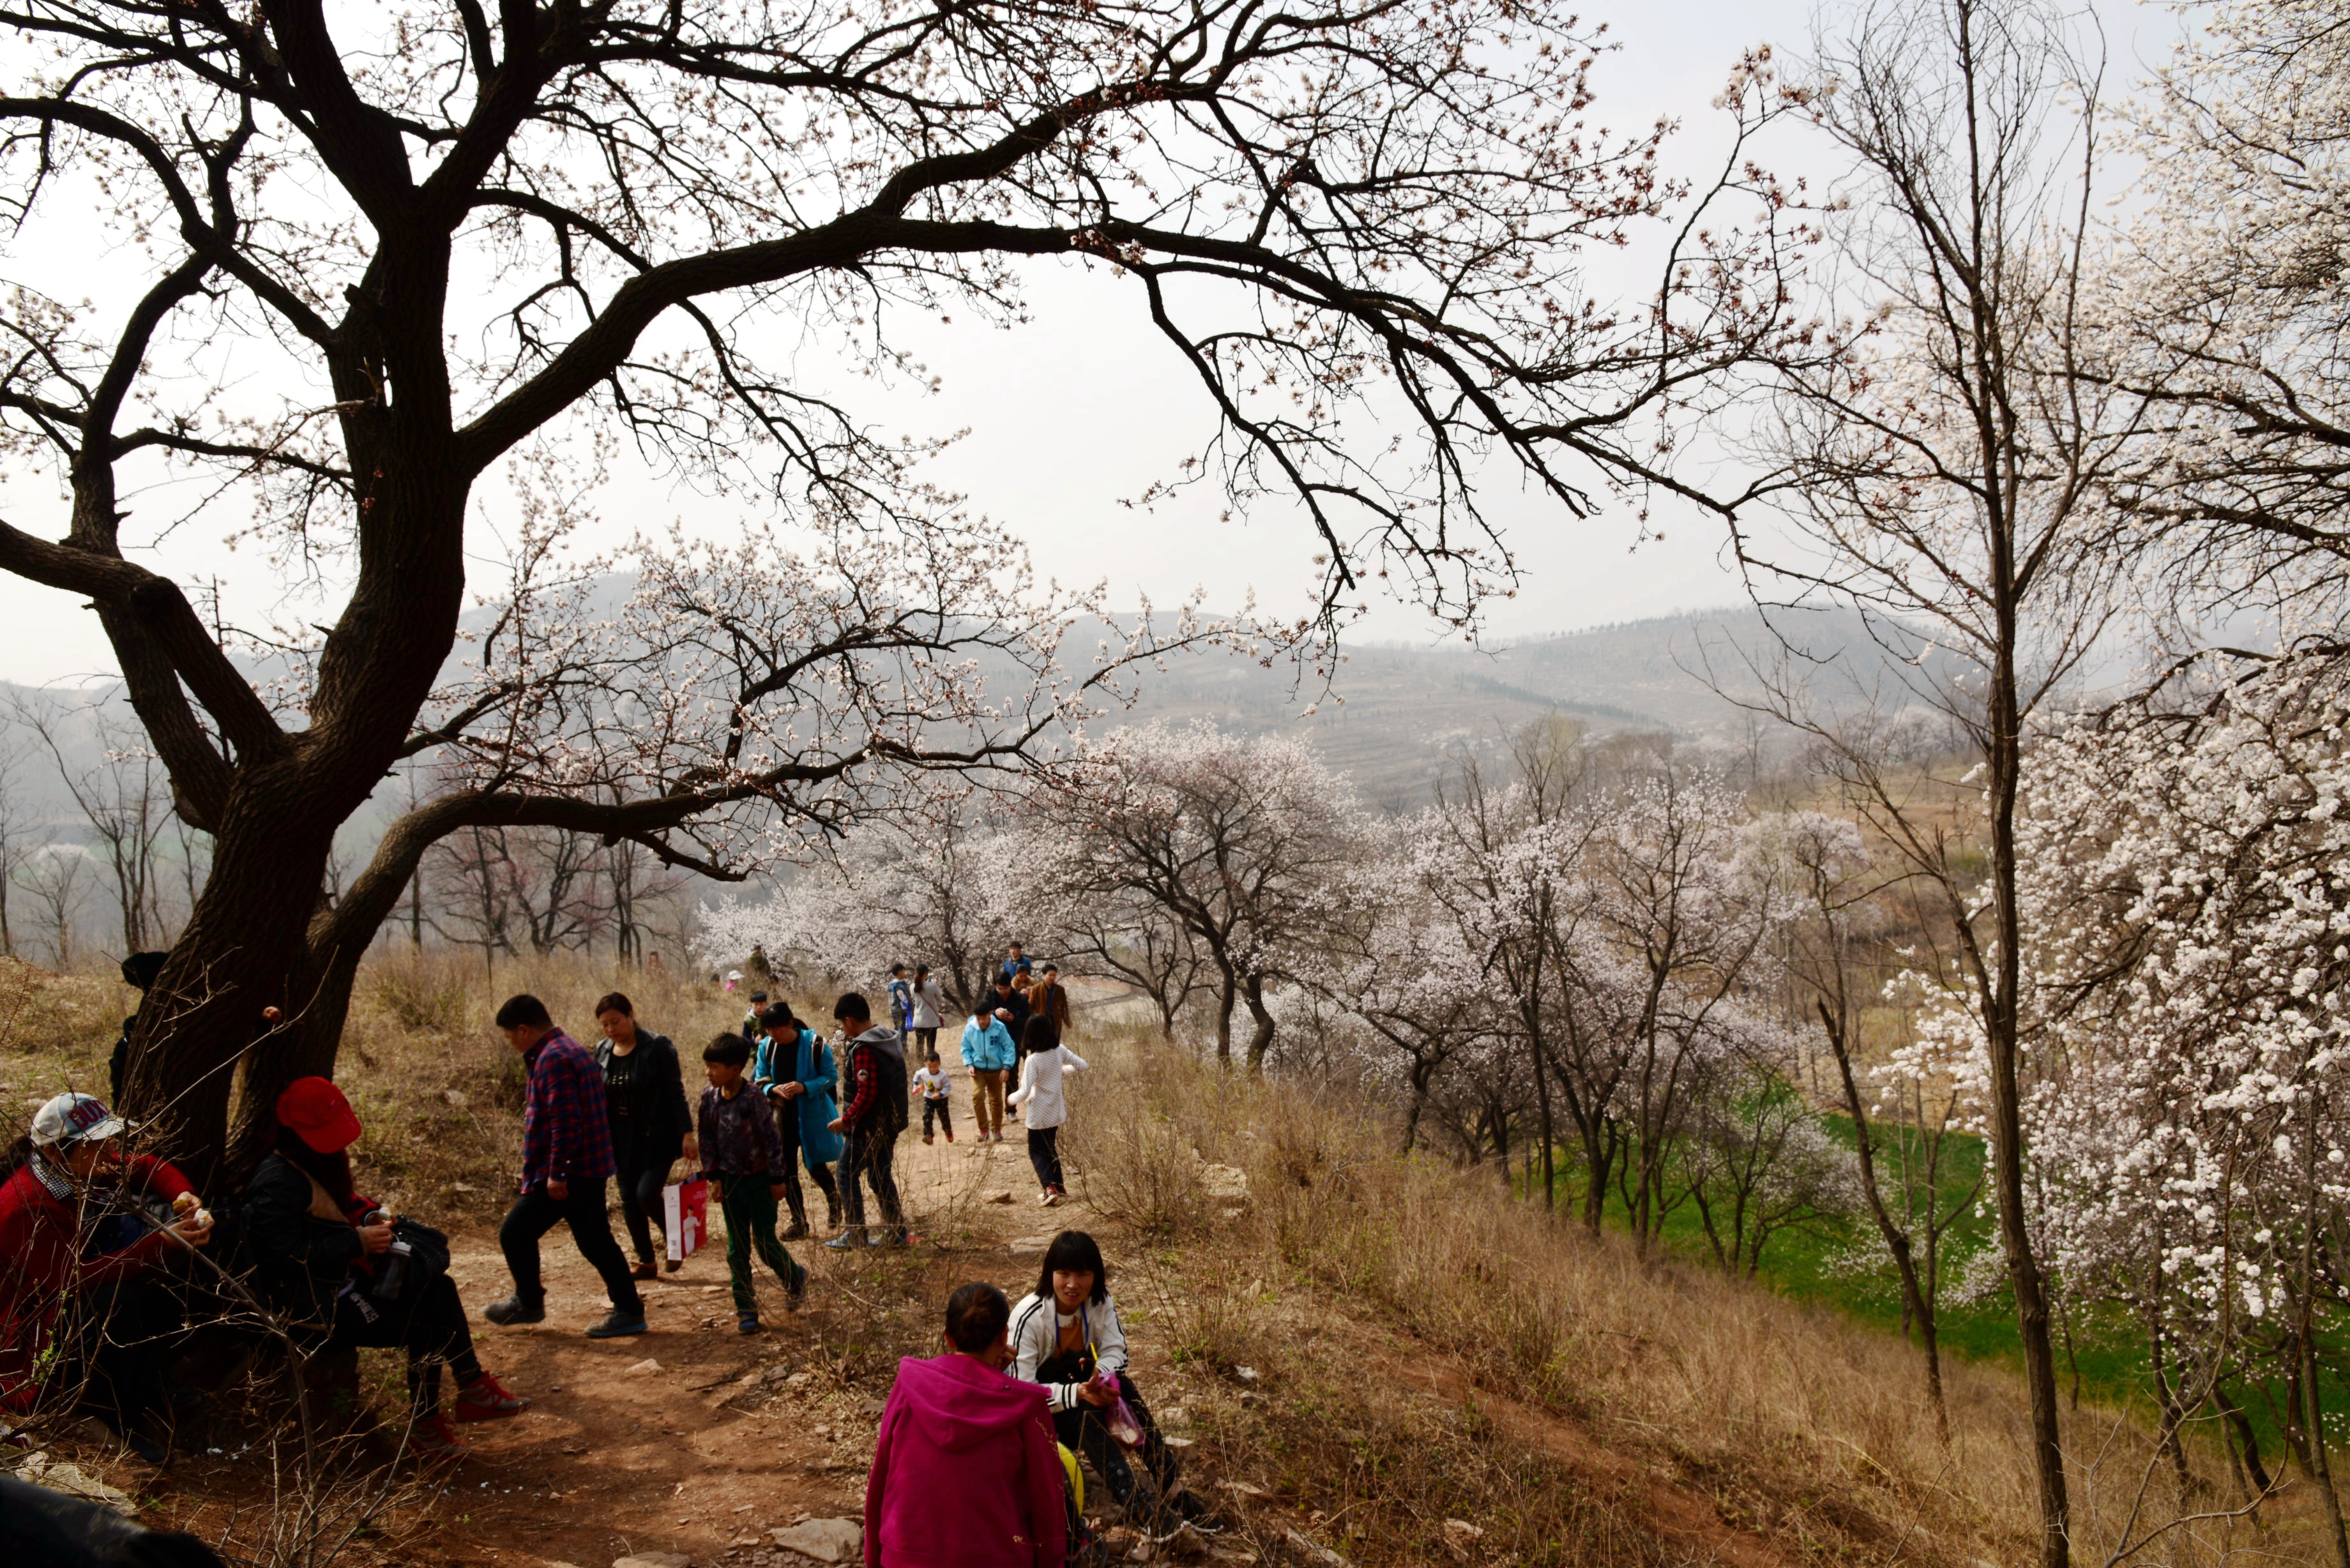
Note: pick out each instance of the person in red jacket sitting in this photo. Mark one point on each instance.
(70, 1173)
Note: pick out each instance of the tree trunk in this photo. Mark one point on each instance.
(1260, 1040)
(245, 949)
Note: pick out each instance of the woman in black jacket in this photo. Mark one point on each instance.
(644, 1094)
(318, 1248)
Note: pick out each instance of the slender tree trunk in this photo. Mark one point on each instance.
(1261, 1038)
(1915, 1307)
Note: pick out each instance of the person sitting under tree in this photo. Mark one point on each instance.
(323, 1257)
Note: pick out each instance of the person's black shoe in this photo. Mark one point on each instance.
(620, 1326)
(135, 1437)
(1195, 1513)
(514, 1309)
(799, 1233)
(797, 1291)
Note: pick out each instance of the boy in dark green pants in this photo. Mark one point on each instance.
(743, 1154)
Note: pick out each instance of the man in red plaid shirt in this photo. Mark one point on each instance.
(566, 1159)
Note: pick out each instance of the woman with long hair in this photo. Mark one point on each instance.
(321, 1256)
(1067, 1336)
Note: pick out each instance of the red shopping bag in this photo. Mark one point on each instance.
(685, 1216)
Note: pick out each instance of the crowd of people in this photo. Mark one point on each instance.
(116, 1258)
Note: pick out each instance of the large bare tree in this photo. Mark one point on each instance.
(453, 234)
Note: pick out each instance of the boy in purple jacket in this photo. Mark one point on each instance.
(746, 1157)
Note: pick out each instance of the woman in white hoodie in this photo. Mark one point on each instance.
(1067, 1337)
(1042, 1103)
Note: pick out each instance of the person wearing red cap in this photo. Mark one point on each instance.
(319, 1251)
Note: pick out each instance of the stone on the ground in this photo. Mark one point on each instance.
(653, 1560)
(825, 1539)
(1313, 1551)
(74, 1482)
(1460, 1538)
(1224, 1181)
(647, 1365)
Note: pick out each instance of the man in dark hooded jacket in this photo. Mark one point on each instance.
(872, 1115)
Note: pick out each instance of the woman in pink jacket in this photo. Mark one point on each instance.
(966, 1471)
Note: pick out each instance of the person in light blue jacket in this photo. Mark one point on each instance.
(989, 1052)
(795, 1071)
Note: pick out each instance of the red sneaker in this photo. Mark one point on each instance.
(435, 1438)
(486, 1400)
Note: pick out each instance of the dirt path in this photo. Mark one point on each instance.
(729, 1437)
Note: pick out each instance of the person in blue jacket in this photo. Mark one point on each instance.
(988, 1051)
(795, 1069)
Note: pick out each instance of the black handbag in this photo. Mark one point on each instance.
(419, 1255)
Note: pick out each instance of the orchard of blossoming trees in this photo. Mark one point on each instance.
(2074, 880)
(2049, 386)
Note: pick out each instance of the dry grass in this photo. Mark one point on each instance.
(1798, 1429)
(1425, 1349)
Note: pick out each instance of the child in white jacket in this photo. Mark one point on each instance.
(1043, 1105)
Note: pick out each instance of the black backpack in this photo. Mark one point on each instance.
(890, 1065)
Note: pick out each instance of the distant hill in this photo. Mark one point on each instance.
(1409, 714)
(1396, 718)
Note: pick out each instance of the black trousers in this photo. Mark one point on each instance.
(1087, 1435)
(535, 1214)
(431, 1326)
(1045, 1154)
(122, 1338)
(641, 1181)
(943, 1109)
(788, 1123)
(871, 1155)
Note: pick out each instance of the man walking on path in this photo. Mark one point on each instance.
(1016, 966)
(1048, 998)
(1012, 1011)
(989, 1052)
(875, 1059)
(566, 1161)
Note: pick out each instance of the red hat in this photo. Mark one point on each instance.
(317, 1110)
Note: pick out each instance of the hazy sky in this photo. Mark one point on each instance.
(1086, 406)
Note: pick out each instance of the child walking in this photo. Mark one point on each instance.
(933, 1081)
(1042, 1105)
(744, 1156)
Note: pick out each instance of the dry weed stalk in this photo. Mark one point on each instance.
(1799, 1425)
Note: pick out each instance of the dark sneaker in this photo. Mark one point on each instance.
(514, 1309)
(620, 1326)
(143, 1444)
(797, 1291)
(747, 1323)
(799, 1233)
